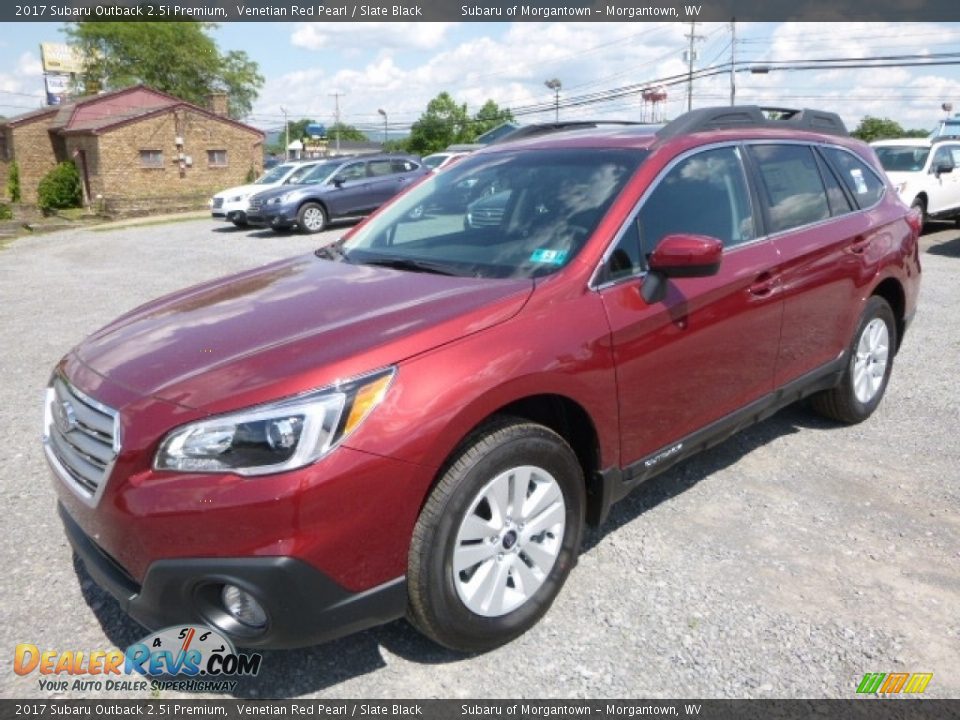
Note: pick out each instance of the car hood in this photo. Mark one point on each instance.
(295, 325)
(281, 190)
(242, 190)
(901, 177)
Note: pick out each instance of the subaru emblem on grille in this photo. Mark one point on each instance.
(64, 416)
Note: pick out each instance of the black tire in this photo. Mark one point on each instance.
(239, 223)
(311, 218)
(841, 403)
(435, 606)
(921, 205)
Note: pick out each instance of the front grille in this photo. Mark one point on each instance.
(486, 217)
(254, 203)
(81, 439)
(218, 202)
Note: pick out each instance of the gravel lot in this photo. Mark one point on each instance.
(786, 562)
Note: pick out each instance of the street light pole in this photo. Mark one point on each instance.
(555, 85)
(384, 113)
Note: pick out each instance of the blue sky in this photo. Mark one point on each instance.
(398, 67)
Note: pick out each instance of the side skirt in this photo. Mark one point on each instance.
(616, 483)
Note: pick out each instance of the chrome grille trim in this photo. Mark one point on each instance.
(82, 456)
(218, 202)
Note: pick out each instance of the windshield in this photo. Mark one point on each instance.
(506, 214)
(274, 175)
(313, 174)
(902, 158)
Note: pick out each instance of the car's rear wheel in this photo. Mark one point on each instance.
(311, 218)
(870, 361)
(497, 537)
(239, 222)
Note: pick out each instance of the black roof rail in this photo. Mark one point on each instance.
(528, 131)
(743, 116)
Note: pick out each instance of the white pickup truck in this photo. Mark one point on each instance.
(925, 172)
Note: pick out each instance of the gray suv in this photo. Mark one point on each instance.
(342, 187)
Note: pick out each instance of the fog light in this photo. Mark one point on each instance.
(243, 607)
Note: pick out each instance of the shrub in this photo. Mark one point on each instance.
(13, 182)
(60, 188)
(251, 174)
(5, 212)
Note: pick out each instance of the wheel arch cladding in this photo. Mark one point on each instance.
(559, 413)
(892, 291)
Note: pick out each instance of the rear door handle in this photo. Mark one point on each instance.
(859, 245)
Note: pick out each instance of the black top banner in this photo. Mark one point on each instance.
(481, 10)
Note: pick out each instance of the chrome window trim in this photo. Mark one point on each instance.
(631, 217)
(64, 475)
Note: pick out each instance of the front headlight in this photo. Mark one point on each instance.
(286, 197)
(275, 437)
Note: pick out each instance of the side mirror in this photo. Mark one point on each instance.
(680, 256)
(944, 168)
(337, 181)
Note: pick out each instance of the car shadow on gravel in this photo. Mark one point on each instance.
(293, 673)
(689, 472)
(950, 248)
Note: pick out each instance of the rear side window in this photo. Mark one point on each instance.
(378, 168)
(859, 178)
(839, 203)
(402, 166)
(792, 185)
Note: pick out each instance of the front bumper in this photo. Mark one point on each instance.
(304, 606)
(273, 217)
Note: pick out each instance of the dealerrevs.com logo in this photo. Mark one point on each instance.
(186, 658)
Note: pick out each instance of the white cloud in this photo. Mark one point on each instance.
(29, 65)
(370, 35)
(510, 66)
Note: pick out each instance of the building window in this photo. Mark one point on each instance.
(217, 158)
(151, 158)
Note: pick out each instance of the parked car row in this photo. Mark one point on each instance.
(308, 195)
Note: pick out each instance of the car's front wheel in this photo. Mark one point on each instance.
(497, 537)
(869, 362)
(311, 218)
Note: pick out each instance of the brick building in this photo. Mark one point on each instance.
(137, 149)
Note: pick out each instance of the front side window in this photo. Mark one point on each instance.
(151, 158)
(498, 215)
(792, 185)
(355, 171)
(862, 182)
(943, 157)
(704, 194)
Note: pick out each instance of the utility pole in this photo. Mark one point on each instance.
(336, 116)
(555, 85)
(286, 127)
(733, 62)
(693, 37)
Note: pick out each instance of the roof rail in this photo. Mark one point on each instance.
(527, 131)
(741, 116)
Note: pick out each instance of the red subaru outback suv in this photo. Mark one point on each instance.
(419, 419)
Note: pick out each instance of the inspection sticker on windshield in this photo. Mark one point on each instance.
(548, 257)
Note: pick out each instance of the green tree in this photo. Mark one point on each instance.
(13, 182)
(488, 117)
(443, 124)
(874, 128)
(346, 132)
(179, 58)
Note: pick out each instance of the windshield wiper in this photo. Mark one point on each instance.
(399, 263)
